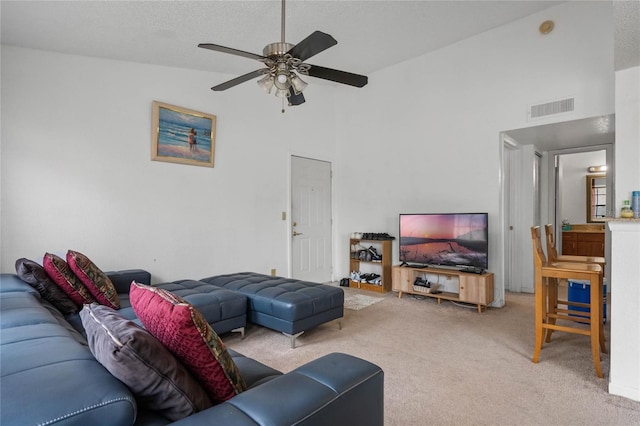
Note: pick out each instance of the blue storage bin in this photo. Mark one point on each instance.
(579, 291)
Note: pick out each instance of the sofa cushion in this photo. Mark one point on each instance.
(96, 281)
(140, 361)
(34, 274)
(48, 375)
(61, 274)
(185, 332)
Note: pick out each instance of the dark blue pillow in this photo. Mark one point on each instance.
(34, 274)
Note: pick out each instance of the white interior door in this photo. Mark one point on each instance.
(508, 214)
(510, 196)
(311, 219)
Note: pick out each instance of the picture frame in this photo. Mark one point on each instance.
(181, 135)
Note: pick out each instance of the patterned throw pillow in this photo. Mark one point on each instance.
(60, 273)
(34, 275)
(182, 329)
(94, 279)
(139, 360)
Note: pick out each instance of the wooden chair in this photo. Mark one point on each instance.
(547, 311)
(553, 257)
(552, 253)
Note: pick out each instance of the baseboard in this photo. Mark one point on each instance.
(625, 391)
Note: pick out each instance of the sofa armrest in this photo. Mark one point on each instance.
(122, 279)
(334, 389)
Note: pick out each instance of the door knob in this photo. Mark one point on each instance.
(295, 233)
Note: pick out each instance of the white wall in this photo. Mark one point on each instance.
(425, 136)
(76, 169)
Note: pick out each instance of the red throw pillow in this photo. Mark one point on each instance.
(96, 281)
(60, 273)
(182, 329)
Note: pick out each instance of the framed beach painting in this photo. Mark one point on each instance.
(181, 135)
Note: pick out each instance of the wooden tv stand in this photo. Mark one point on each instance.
(473, 288)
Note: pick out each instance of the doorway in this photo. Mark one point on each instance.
(569, 190)
(311, 220)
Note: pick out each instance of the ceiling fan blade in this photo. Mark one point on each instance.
(312, 45)
(224, 49)
(338, 76)
(295, 99)
(229, 84)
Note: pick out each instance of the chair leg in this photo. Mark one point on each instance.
(595, 351)
(552, 304)
(596, 323)
(540, 298)
(603, 346)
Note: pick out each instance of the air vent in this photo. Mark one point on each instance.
(551, 108)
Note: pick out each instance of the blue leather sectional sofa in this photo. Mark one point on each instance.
(49, 376)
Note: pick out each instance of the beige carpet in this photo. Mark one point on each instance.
(448, 365)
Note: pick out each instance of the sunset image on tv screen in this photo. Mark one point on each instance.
(444, 239)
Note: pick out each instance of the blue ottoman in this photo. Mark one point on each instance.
(224, 310)
(283, 304)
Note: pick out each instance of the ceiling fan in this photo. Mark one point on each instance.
(284, 61)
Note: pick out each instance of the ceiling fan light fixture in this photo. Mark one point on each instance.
(266, 83)
(298, 84)
(282, 93)
(282, 78)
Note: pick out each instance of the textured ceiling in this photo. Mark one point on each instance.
(627, 34)
(371, 35)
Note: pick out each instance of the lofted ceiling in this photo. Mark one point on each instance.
(371, 35)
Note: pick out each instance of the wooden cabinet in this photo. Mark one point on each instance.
(381, 267)
(569, 243)
(576, 243)
(453, 285)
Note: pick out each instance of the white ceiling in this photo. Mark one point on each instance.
(371, 34)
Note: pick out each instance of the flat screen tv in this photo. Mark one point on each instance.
(458, 240)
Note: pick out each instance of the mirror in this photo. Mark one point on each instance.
(596, 197)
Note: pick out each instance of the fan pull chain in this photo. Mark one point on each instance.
(283, 105)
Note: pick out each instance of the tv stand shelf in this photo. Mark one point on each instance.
(473, 288)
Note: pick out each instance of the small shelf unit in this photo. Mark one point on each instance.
(381, 267)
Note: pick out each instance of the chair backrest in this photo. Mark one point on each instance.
(551, 243)
(539, 258)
